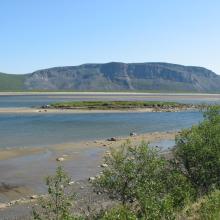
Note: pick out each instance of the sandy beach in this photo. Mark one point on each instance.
(47, 111)
(80, 111)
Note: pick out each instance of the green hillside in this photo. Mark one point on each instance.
(11, 82)
(115, 76)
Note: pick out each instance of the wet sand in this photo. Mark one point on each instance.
(23, 170)
(18, 152)
(47, 111)
(80, 111)
(6, 154)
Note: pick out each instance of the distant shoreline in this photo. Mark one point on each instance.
(8, 93)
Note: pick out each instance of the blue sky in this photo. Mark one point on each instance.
(36, 34)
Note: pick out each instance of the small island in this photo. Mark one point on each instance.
(154, 106)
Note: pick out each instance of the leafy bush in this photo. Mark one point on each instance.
(198, 152)
(144, 181)
(57, 204)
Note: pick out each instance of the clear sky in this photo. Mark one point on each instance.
(36, 34)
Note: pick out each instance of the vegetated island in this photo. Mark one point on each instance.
(151, 106)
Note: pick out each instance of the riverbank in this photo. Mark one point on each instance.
(23, 169)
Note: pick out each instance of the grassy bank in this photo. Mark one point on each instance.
(207, 207)
(117, 105)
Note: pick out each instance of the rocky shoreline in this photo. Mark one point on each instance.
(81, 111)
(148, 109)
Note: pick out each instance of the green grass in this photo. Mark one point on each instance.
(115, 104)
(206, 208)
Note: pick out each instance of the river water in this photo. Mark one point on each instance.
(37, 100)
(28, 130)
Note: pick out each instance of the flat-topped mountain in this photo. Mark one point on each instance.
(117, 76)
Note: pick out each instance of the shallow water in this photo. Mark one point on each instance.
(28, 130)
(29, 171)
(164, 145)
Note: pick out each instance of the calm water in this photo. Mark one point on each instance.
(39, 100)
(26, 130)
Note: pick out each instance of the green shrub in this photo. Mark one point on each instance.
(144, 181)
(198, 152)
(57, 204)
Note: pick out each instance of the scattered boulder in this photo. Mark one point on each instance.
(45, 106)
(112, 139)
(133, 134)
(104, 165)
(13, 202)
(60, 159)
(34, 197)
(92, 178)
(71, 183)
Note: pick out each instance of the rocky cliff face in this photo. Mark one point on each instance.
(122, 76)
